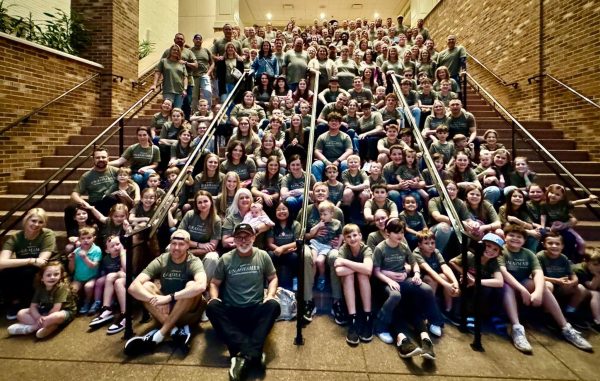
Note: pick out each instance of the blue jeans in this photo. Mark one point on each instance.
(202, 87)
(176, 99)
(492, 194)
(318, 167)
(443, 233)
(142, 179)
(421, 300)
(294, 204)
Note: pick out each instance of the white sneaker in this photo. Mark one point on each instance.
(20, 329)
(204, 317)
(435, 330)
(574, 337)
(385, 337)
(520, 340)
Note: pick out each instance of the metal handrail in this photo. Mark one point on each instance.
(26, 117)
(541, 151)
(141, 81)
(530, 80)
(461, 234)
(299, 340)
(99, 140)
(503, 82)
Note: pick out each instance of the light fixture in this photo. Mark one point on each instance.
(356, 6)
(288, 7)
(269, 16)
(376, 15)
(322, 15)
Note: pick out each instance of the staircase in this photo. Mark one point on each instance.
(565, 150)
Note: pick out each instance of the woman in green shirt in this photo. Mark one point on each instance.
(175, 77)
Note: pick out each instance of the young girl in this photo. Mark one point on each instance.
(125, 191)
(414, 221)
(410, 180)
(210, 179)
(289, 107)
(53, 304)
(160, 118)
(390, 176)
(522, 177)
(588, 274)
(302, 92)
(83, 220)
(83, 263)
(229, 187)
(336, 188)
(281, 89)
(515, 211)
(491, 141)
(275, 128)
(484, 218)
(534, 205)
(557, 214)
(501, 166)
(115, 224)
(110, 283)
(384, 144)
(274, 104)
(139, 217)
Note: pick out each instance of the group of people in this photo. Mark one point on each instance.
(375, 220)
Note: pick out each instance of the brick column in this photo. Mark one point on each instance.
(113, 25)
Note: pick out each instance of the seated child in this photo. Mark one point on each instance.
(356, 182)
(380, 200)
(354, 264)
(437, 272)
(560, 278)
(391, 260)
(125, 190)
(414, 220)
(524, 281)
(491, 277)
(375, 173)
(320, 246)
(82, 218)
(336, 188)
(53, 304)
(110, 283)
(257, 216)
(442, 145)
(588, 274)
(83, 263)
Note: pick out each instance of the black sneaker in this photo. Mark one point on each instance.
(595, 326)
(427, 349)
(117, 326)
(408, 349)
(105, 316)
(183, 335)
(140, 344)
(366, 329)
(451, 318)
(339, 313)
(145, 316)
(309, 310)
(11, 312)
(237, 370)
(352, 337)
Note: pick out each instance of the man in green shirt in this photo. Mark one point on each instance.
(176, 301)
(202, 73)
(238, 309)
(333, 147)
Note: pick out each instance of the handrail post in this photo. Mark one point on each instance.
(121, 136)
(128, 279)
(476, 345)
(299, 339)
(464, 88)
(464, 283)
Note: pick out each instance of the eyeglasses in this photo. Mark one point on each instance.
(242, 238)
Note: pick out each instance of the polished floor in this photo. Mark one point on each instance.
(76, 354)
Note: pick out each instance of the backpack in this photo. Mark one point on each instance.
(287, 301)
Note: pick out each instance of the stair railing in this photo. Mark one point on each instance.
(549, 160)
(74, 163)
(530, 80)
(503, 82)
(461, 234)
(25, 118)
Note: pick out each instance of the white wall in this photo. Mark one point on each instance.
(159, 24)
(36, 7)
(198, 16)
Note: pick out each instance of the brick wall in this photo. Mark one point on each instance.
(114, 28)
(505, 36)
(29, 77)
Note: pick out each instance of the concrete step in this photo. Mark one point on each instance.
(588, 180)
(113, 140)
(141, 121)
(73, 149)
(59, 161)
(505, 132)
(53, 203)
(549, 144)
(44, 173)
(27, 186)
(589, 230)
(578, 166)
(485, 114)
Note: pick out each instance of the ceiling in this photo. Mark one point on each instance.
(255, 11)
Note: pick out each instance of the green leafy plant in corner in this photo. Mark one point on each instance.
(5, 20)
(64, 32)
(145, 48)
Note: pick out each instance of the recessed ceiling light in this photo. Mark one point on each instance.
(269, 16)
(288, 7)
(376, 15)
(356, 6)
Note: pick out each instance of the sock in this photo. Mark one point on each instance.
(400, 338)
(158, 337)
(570, 309)
(352, 318)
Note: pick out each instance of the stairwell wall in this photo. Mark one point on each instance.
(29, 77)
(505, 36)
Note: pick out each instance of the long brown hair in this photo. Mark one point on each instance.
(212, 214)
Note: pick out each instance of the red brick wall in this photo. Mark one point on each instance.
(113, 25)
(29, 77)
(505, 36)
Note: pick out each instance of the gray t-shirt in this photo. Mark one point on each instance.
(332, 147)
(173, 276)
(392, 258)
(199, 229)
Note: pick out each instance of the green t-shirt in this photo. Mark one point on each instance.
(388, 205)
(159, 120)
(173, 74)
(204, 59)
(369, 124)
(313, 217)
(333, 229)
(218, 47)
(554, 267)
(242, 169)
(243, 277)
(435, 260)
(95, 184)
(24, 248)
(290, 182)
(392, 258)
(139, 157)
(535, 210)
(431, 122)
(363, 252)
(285, 235)
(361, 96)
(169, 131)
(173, 276)
(557, 212)
(390, 115)
(199, 229)
(389, 173)
(60, 293)
(329, 108)
(360, 177)
(407, 173)
(487, 215)
(520, 264)
(296, 63)
(332, 147)
(447, 149)
(461, 124)
(374, 239)
(451, 59)
(261, 182)
(415, 222)
(239, 111)
(211, 185)
(488, 269)
(335, 192)
(396, 67)
(436, 205)
(583, 273)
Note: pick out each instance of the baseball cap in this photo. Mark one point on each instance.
(494, 238)
(198, 36)
(243, 228)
